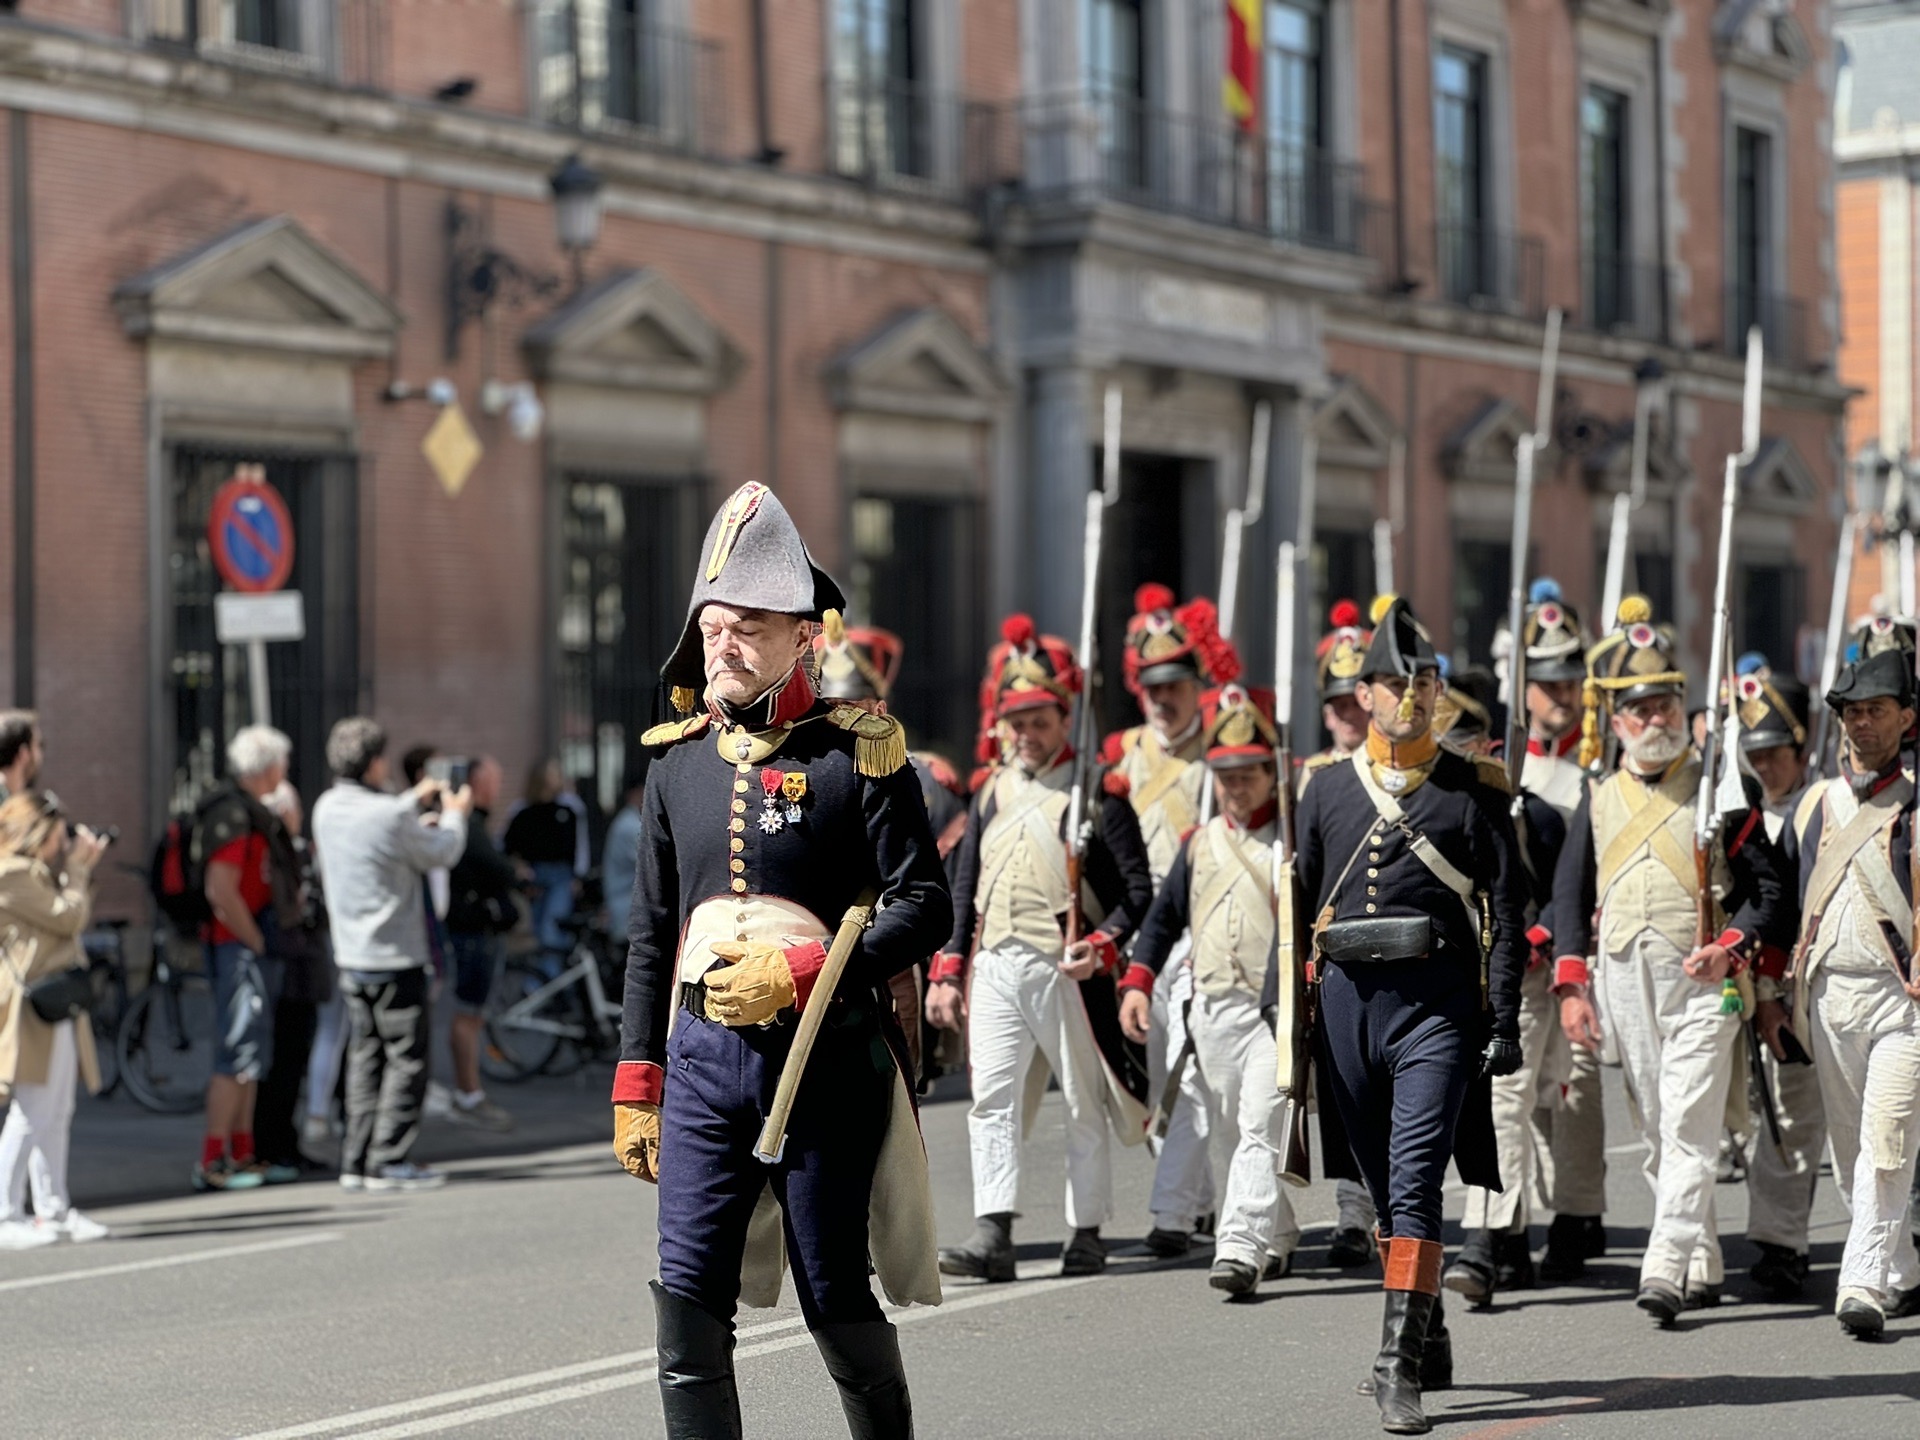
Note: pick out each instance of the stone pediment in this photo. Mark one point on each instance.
(267, 285)
(634, 330)
(1761, 35)
(920, 364)
(1352, 429)
(1609, 465)
(1484, 448)
(1779, 480)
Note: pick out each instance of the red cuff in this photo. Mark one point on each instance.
(805, 963)
(1138, 977)
(1106, 954)
(637, 1082)
(1734, 942)
(1538, 935)
(946, 966)
(1570, 970)
(1772, 963)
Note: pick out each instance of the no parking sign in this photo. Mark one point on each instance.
(251, 532)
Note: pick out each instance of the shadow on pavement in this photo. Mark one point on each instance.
(1550, 1401)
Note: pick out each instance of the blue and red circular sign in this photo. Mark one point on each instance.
(251, 532)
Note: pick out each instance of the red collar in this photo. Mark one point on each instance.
(1558, 749)
(782, 705)
(1260, 818)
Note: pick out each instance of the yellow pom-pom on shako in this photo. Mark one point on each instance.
(835, 625)
(1381, 604)
(1635, 610)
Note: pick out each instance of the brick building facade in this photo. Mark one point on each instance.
(886, 255)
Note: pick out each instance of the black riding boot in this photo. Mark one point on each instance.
(1472, 1276)
(1436, 1356)
(864, 1360)
(696, 1370)
(1396, 1373)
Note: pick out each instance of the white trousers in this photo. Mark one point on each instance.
(1780, 1185)
(1515, 1097)
(1570, 1137)
(1183, 1175)
(1866, 1048)
(1020, 1003)
(1236, 1051)
(1677, 1049)
(33, 1142)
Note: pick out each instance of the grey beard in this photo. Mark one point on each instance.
(1656, 750)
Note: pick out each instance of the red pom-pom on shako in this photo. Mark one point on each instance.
(1344, 615)
(1018, 631)
(1151, 597)
(1219, 661)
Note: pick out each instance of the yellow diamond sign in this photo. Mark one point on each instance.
(452, 449)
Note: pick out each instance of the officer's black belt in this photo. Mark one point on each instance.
(693, 1000)
(1350, 942)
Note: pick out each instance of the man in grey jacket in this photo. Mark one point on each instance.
(373, 849)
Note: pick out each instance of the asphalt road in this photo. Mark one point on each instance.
(513, 1303)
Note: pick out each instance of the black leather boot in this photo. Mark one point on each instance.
(1472, 1274)
(1572, 1240)
(1513, 1262)
(989, 1255)
(1396, 1372)
(864, 1360)
(696, 1370)
(1436, 1358)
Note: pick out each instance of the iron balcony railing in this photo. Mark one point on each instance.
(341, 41)
(1623, 296)
(897, 135)
(1490, 269)
(1094, 146)
(1782, 321)
(600, 68)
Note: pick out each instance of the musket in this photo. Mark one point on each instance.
(1706, 820)
(1294, 1018)
(1097, 503)
(1530, 445)
(1238, 518)
(1645, 397)
(1836, 637)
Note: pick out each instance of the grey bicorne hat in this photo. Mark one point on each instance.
(753, 559)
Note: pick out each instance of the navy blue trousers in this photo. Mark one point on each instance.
(719, 1086)
(1401, 1039)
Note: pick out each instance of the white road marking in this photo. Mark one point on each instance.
(164, 1262)
(637, 1367)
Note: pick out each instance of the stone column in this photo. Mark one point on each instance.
(1061, 442)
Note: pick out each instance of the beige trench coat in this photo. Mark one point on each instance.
(41, 917)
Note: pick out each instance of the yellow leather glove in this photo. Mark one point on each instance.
(753, 985)
(636, 1139)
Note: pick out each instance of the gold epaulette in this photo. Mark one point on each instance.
(674, 731)
(1320, 761)
(879, 741)
(1492, 773)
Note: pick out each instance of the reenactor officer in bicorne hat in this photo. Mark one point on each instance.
(1174, 655)
(1220, 890)
(1674, 1004)
(1856, 989)
(1407, 853)
(1032, 1003)
(772, 816)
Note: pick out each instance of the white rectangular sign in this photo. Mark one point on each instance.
(277, 615)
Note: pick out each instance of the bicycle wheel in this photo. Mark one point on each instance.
(516, 1044)
(166, 1047)
(109, 1010)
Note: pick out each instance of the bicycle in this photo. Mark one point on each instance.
(542, 1025)
(166, 1041)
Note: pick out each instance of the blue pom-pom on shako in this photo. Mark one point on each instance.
(1446, 667)
(1542, 590)
(1748, 663)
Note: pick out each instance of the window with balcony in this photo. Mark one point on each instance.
(610, 65)
(1460, 173)
(1296, 118)
(1609, 232)
(1751, 262)
(1116, 86)
(297, 35)
(880, 116)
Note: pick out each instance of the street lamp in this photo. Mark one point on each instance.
(576, 212)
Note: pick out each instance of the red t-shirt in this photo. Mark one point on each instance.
(249, 855)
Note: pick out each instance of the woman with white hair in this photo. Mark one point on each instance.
(241, 845)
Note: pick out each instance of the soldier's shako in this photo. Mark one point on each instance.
(1231, 905)
(1022, 891)
(1164, 786)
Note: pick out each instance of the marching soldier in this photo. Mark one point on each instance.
(1032, 1003)
(770, 816)
(1498, 1254)
(1781, 1175)
(1856, 991)
(1172, 655)
(1407, 852)
(1673, 1003)
(1220, 888)
(1337, 660)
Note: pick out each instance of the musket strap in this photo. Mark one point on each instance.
(1852, 848)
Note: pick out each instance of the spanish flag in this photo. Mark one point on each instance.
(1242, 84)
